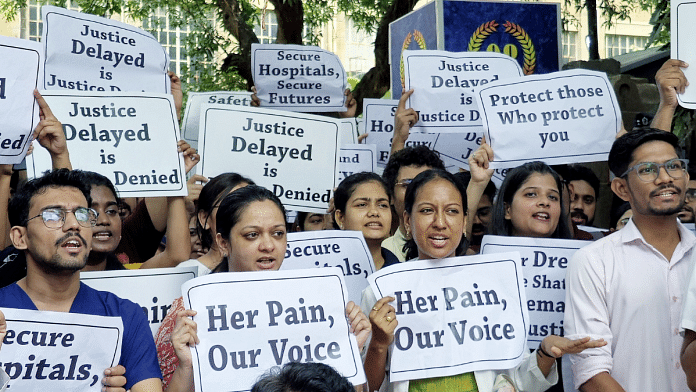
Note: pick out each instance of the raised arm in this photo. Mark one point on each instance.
(480, 177)
(49, 133)
(404, 119)
(670, 81)
(178, 246)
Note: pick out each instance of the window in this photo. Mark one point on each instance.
(620, 44)
(173, 39)
(570, 49)
(270, 32)
(30, 20)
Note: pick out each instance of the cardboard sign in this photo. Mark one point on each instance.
(563, 117)
(20, 65)
(349, 131)
(345, 249)
(683, 45)
(88, 53)
(192, 114)
(154, 289)
(294, 155)
(50, 351)
(119, 135)
(455, 315)
(298, 78)
(444, 83)
(356, 158)
(252, 321)
(544, 263)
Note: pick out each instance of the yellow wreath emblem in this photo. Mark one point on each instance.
(488, 28)
(420, 40)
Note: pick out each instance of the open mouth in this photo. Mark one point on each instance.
(265, 262)
(542, 216)
(102, 235)
(438, 241)
(374, 225)
(578, 218)
(73, 246)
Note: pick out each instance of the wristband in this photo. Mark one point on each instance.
(544, 353)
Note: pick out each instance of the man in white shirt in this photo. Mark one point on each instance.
(627, 288)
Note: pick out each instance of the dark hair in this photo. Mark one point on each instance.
(18, 209)
(209, 198)
(303, 377)
(423, 178)
(346, 188)
(621, 153)
(410, 156)
(233, 206)
(465, 178)
(582, 173)
(300, 218)
(95, 179)
(617, 213)
(512, 183)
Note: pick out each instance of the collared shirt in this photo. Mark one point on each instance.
(622, 289)
(395, 244)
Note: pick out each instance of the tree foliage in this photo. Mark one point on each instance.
(222, 32)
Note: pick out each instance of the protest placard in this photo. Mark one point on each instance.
(154, 289)
(20, 73)
(298, 78)
(349, 132)
(192, 114)
(278, 150)
(113, 134)
(562, 117)
(50, 351)
(356, 158)
(444, 83)
(683, 45)
(250, 322)
(544, 263)
(88, 53)
(455, 315)
(345, 249)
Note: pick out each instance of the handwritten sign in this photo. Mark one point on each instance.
(88, 53)
(683, 45)
(117, 135)
(562, 117)
(20, 73)
(444, 83)
(544, 263)
(192, 114)
(356, 158)
(455, 315)
(284, 316)
(345, 249)
(47, 351)
(153, 289)
(277, 149)
(298, 78)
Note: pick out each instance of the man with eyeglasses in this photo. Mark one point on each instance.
(627, 287)
(688, 212)
(52, 223)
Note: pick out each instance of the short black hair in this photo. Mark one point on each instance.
(582, 173)
(621, 154)
(18, 210)
(465, 178)
(410, 156)
(95, 179)
(303, 377)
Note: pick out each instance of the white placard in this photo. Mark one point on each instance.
(683, 45)
(89, 53)
(153, 289)
(544, 263)
(455, 315)
(345, 249)
(298, 78)
(444, 83)
(356, 158)
(192, 114)
(52, 351)
(294, 155)
(349, 132)
(128, 137)
(561, 117)
(20, 62)
(250, 322)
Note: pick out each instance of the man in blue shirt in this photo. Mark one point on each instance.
(52, 223)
